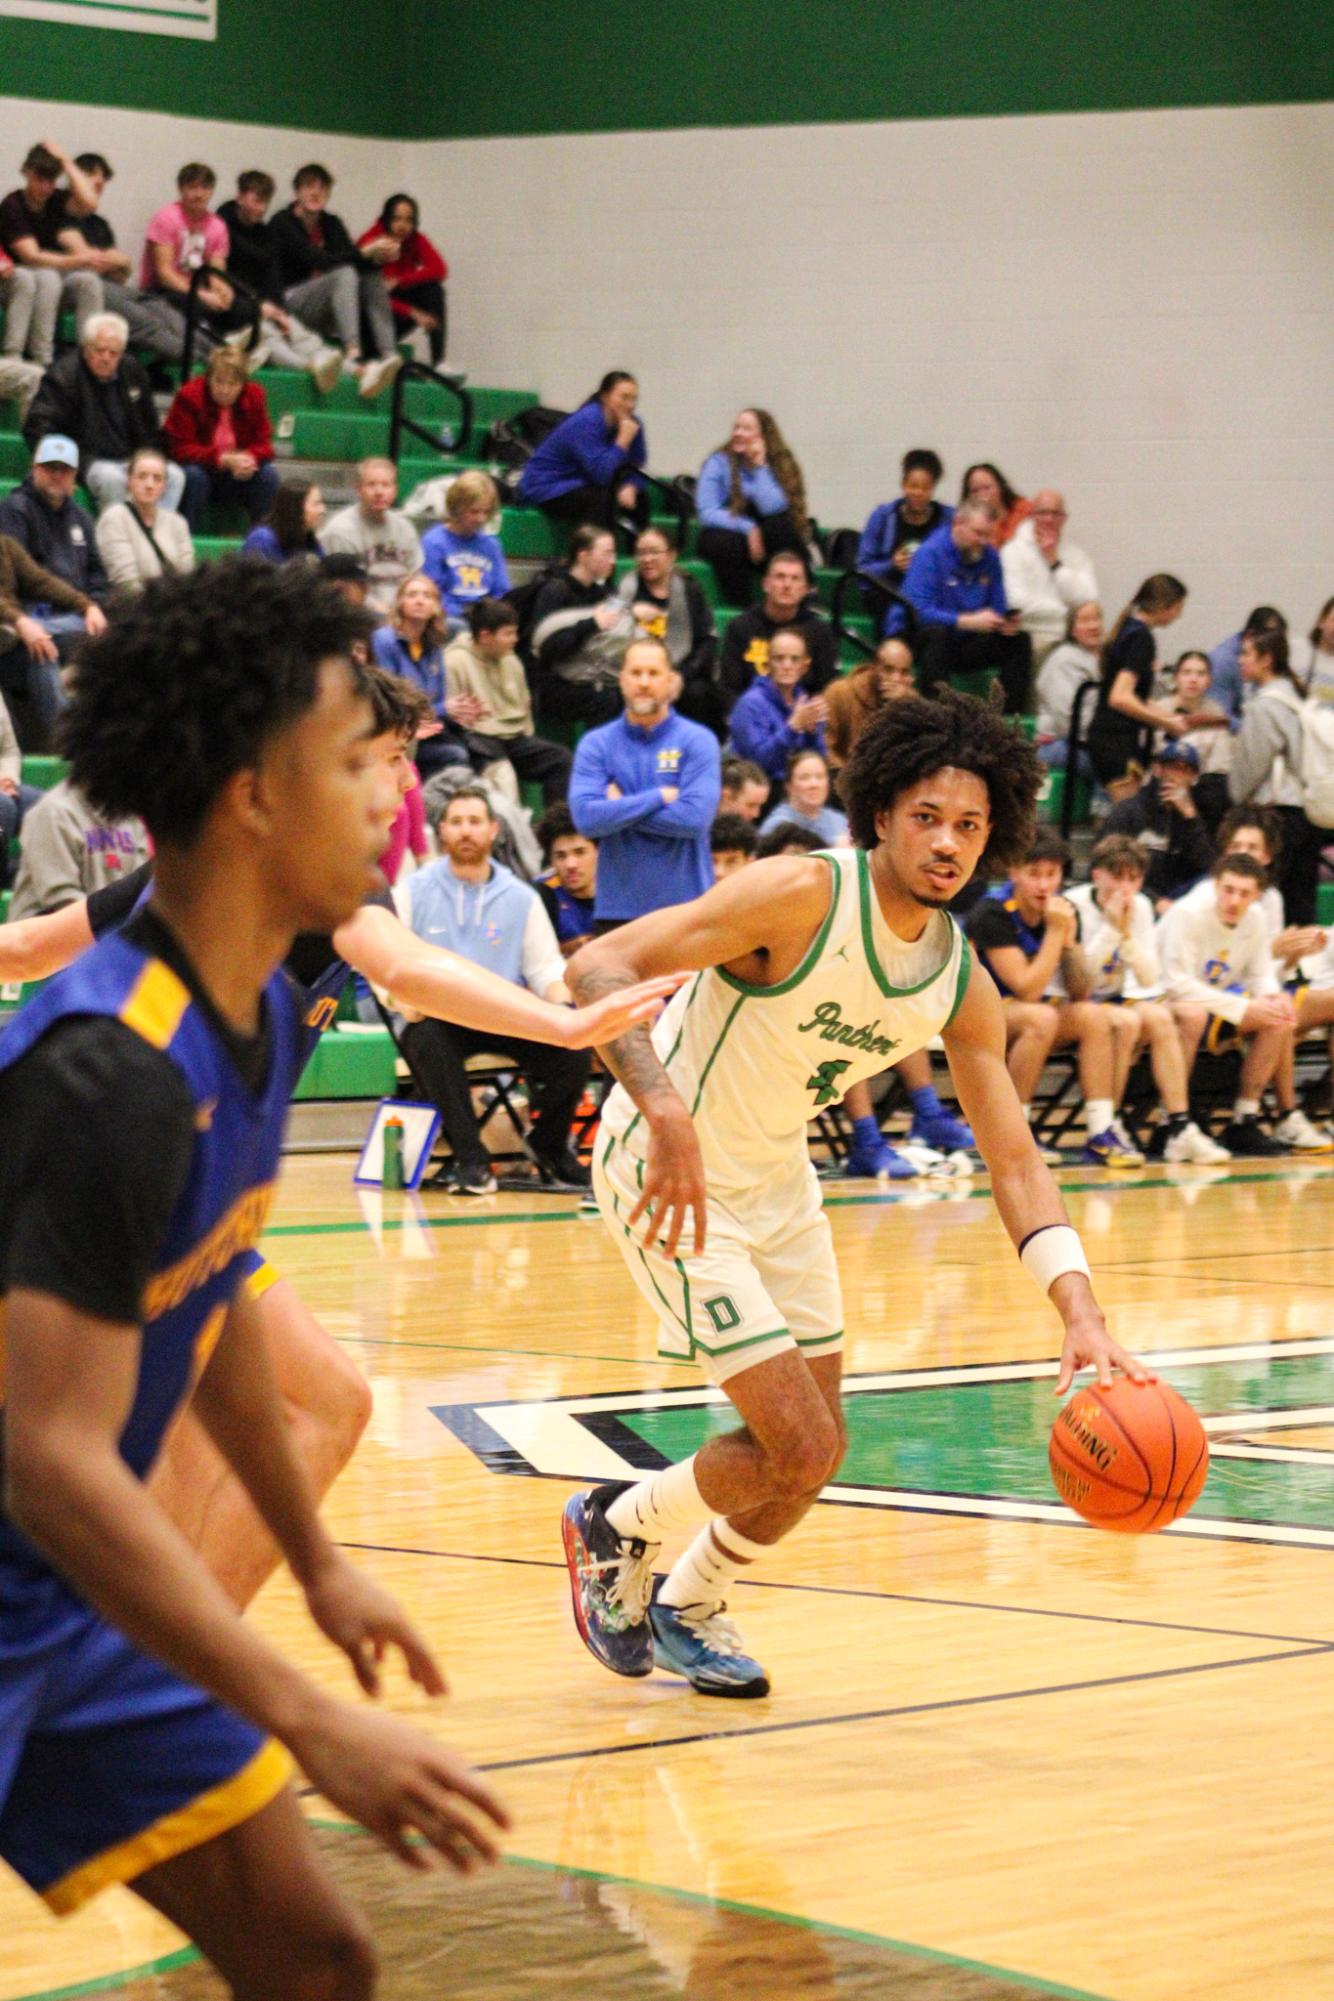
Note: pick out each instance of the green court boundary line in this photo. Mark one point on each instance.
(107, 1983)
(1117, 1187)
(731, 1904)
(701, 1900)
(189, 1955)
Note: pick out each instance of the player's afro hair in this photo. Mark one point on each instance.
(191, 681)
(911, 738)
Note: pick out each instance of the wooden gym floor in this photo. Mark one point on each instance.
(1005, 1755)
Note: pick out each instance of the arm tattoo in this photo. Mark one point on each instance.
(632, 1059)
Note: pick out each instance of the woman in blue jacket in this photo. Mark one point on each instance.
(751, 501)
(588, 469)
(412, 646)
(776, 716)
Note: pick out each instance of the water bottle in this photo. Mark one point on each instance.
(391, 1172)
(447, 437)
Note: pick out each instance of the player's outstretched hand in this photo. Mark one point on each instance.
(359, 1616)
(605, 1020)
(398, 1784)
(673, 1183)
(1091, 1346)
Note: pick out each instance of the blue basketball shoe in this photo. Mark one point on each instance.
(942, 1131)
(611, 1579)
(878, 1161)
(698, 1642)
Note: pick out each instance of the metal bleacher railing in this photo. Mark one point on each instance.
(455, 441)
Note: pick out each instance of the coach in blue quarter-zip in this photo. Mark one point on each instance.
(646, 789)
(956, 587)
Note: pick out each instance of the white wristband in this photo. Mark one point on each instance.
(1049, 1253)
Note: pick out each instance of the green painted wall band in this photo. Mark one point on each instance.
(529, 68)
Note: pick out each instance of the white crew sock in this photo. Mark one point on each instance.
(709, 1566)
(1246, 1108)
(1098, 1112)
(665, 1501)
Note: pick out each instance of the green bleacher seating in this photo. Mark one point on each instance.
(1051, 798)
(526, 532)
(14, 993)
(289, 391)
(6, 896)
(1324, 904)
(44, 772)
(209, 548)
(351, 1061)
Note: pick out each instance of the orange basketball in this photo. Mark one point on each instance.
(1133, 1457)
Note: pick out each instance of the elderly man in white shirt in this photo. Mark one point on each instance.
(1046, 576)
(1116, 937)
(1220, 978)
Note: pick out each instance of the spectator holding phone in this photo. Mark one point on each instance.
(956, 587)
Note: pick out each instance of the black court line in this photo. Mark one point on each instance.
(885, 1597)
(1226, 1257)
(907, 1709)
(1227, 1279)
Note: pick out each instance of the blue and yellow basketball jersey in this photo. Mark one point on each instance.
(219, 1214)
(109, 1762)
(318, 1001)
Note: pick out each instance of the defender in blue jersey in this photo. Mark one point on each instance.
(325, 1397)
(146, 1732)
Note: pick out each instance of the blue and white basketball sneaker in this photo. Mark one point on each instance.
(878, 1162)
(611, 1579)
(698, 1642)
(942, 1131)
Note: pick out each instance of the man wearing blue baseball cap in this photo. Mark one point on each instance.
(1163, 817)
(57, 590)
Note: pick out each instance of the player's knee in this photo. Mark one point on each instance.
(355, 1404)
(809, 1456)
(340, 1404)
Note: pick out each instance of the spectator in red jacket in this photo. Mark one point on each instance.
(218, 429)
(412, 269)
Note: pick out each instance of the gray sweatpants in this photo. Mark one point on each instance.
(151, 321)
(19, 381)
(333, 304)
(296, 348)
(41, 302)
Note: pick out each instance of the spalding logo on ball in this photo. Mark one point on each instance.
(1133, 1457)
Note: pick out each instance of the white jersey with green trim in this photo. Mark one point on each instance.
(755, 1064)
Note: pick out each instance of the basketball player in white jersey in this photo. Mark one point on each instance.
(813, 972)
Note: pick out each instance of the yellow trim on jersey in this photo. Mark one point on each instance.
(238, 1230)
(189, 1826)
(259, 1281)
(206, 1340)
(157, 1001)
